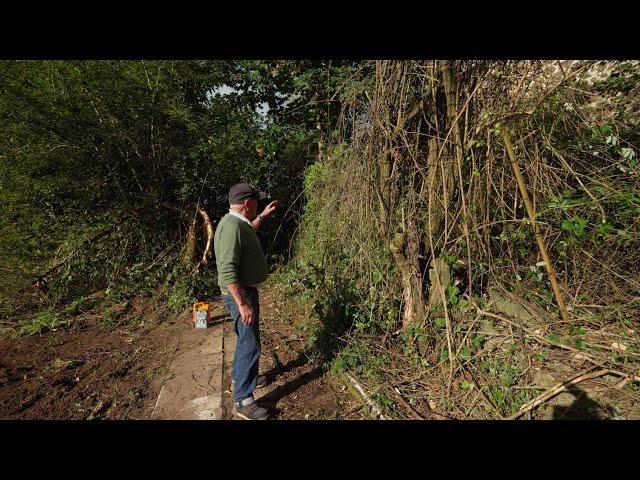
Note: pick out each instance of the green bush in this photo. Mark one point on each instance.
(186, 285)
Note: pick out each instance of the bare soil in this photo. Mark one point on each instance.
(115, 371)
(89, 371)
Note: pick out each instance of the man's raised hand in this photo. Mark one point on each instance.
(269, 209)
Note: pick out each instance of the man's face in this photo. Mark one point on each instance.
(252, 207)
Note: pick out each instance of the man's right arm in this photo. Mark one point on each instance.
(246, 311)
(228, 261)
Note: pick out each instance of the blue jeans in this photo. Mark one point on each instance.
(244, 370)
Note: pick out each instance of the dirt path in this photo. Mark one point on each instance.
(198, 382)
(192, 387)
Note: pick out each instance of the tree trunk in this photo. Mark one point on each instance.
(414, 308)
(190, 248)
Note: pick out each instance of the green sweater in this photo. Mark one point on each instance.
(239, 256)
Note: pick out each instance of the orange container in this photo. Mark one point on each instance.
(200, 314)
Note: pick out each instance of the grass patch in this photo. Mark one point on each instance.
(44, 321)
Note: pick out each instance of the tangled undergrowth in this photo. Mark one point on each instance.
(426, 264)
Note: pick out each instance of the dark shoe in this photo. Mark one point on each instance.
(262, 382)
(250, 410)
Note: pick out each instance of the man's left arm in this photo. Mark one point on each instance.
(269, 209)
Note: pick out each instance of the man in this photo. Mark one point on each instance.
(242, 266)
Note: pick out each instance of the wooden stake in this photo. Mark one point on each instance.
(532, 219)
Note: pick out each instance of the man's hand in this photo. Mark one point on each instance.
(269, 209)
(247, 313)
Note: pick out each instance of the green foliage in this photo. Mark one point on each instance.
(575, 227)
(109, 319)
(81, 305)
(300, 93)
(102, 164)
(478, 340)
(180, 297)
(452, 295)
(465, 353)
(44, 321)
(580, 221)
(186, 285)
(359, 359)
(85, 145)
(331, 270)
(465, 385)
(503, 376)
(624, 78)
(411, 334)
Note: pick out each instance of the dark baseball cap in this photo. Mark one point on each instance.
(243, 191)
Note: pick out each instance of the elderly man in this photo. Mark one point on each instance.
(242, 266)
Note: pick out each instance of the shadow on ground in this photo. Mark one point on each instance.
(270, 399)
(218, 319)
(582, 408)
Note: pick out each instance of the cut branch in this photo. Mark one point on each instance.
(206, 255)
(534, 225)
(559, 388)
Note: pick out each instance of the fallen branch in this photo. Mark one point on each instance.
(209, 229)
(622, 383)
(374, 407)
(559, 388)
(415, 414)
(540, 338)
